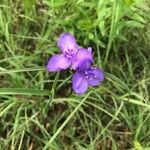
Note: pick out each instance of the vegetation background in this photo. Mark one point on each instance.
(38, 110)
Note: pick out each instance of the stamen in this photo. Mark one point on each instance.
(93, 68)
(68, 55)
(70, 51)
(86, 72)
(86, 77)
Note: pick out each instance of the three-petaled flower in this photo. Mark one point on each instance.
(78, 59)
(86, 75)
(71, 55)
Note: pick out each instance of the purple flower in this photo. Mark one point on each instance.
(71, 55)
(86, 75)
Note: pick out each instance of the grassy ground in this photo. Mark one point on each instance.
(38, 110)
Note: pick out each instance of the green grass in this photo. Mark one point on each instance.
(39, 110)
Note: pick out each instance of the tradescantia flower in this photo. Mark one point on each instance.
(71, 55)
(85, 76)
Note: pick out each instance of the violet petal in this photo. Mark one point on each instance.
(96, 76)
(58, 62)
(79, 83)
(85, 65)
(67, 43)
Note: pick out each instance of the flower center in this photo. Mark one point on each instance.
(69, 54)
(89, 74)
